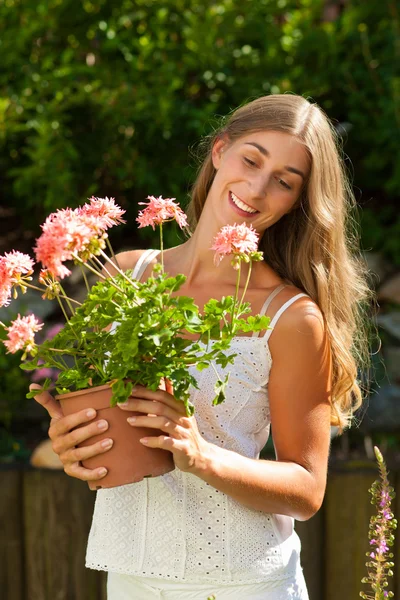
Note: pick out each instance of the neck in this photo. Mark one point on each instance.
(197, 259)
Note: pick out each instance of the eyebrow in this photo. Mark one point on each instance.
(265, 152)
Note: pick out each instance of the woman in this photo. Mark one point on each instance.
(222, 521)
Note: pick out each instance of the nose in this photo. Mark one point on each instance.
(259, 185)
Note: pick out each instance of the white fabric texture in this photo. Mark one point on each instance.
(129, 587)
(179, 528)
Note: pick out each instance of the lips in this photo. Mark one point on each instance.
(241, 207)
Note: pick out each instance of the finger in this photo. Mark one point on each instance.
(168, 386)
(162, 423)
(151, 407)
(80, 454)
(66, 424)
(62, 443)
(158, 396)
(76, 470)
(48, 402)
(162, 441)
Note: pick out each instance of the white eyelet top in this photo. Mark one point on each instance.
(180, 528)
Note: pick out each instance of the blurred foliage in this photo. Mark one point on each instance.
(14, 386)
(106, 98)
(12, 449)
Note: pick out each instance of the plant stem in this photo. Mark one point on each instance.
(162, 247)
(62, 366)
(34, 287)
(215, 369)
(57, 364)
(76, 257)
(235, 298)
(100, 264)
(128, 279)
(247, 282)
(112, 252)
(67, 299)
(99, 369)
(85, 278)
(66, 316)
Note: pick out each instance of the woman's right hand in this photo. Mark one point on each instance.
(64, 441)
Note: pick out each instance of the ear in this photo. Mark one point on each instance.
(219, 147)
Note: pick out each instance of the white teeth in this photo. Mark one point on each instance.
(241, 204)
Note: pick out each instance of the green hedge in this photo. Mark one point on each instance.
(108, 98)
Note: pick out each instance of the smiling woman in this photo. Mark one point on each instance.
(262, 184)
(223, 521)
(285, 163)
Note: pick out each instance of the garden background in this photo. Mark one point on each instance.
(111, 99)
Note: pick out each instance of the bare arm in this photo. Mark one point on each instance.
(299, 397)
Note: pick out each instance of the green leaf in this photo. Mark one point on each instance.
(30, 366)
(220, 390)
(201, 365)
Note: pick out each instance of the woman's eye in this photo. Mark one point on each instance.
(284, 184)
(250, 162)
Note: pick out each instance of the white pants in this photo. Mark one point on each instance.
(130, 587)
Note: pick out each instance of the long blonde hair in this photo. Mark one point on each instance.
(316, 245)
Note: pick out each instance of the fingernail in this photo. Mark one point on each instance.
(132, 419)
(122, 403)
(144, 440)
(91, 413)
(107, 443)
(102, 424)
(102, 472)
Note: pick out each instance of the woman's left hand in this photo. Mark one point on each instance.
(162, 411)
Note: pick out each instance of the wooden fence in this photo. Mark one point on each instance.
(45, 519)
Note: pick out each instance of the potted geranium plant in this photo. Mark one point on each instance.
(125, 332)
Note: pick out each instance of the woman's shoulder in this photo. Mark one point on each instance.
(127, 260)
(302, 307)
(303, 317)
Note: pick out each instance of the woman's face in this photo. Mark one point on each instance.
(259, 178)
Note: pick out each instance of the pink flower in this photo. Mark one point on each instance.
(5, 283)
(234, 239)
(21, 334)
(159, 210)
(385, 498)
(13, 267)
(18, 264)
(382, 547)
(387, 514)
(106, 212)
(65, 232)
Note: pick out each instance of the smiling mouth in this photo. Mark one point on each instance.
(241, 205)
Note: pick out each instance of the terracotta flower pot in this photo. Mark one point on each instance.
(128, 461)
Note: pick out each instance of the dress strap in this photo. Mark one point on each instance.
(280, 311)
(145, 259)
(268, 302)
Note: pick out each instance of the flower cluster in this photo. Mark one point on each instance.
(15, 270)
(159, 210)
(75, 235)
(21, 334)
(240, 241)
(380, 535)
(151, 321)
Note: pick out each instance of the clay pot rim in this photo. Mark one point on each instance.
(88, 390)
